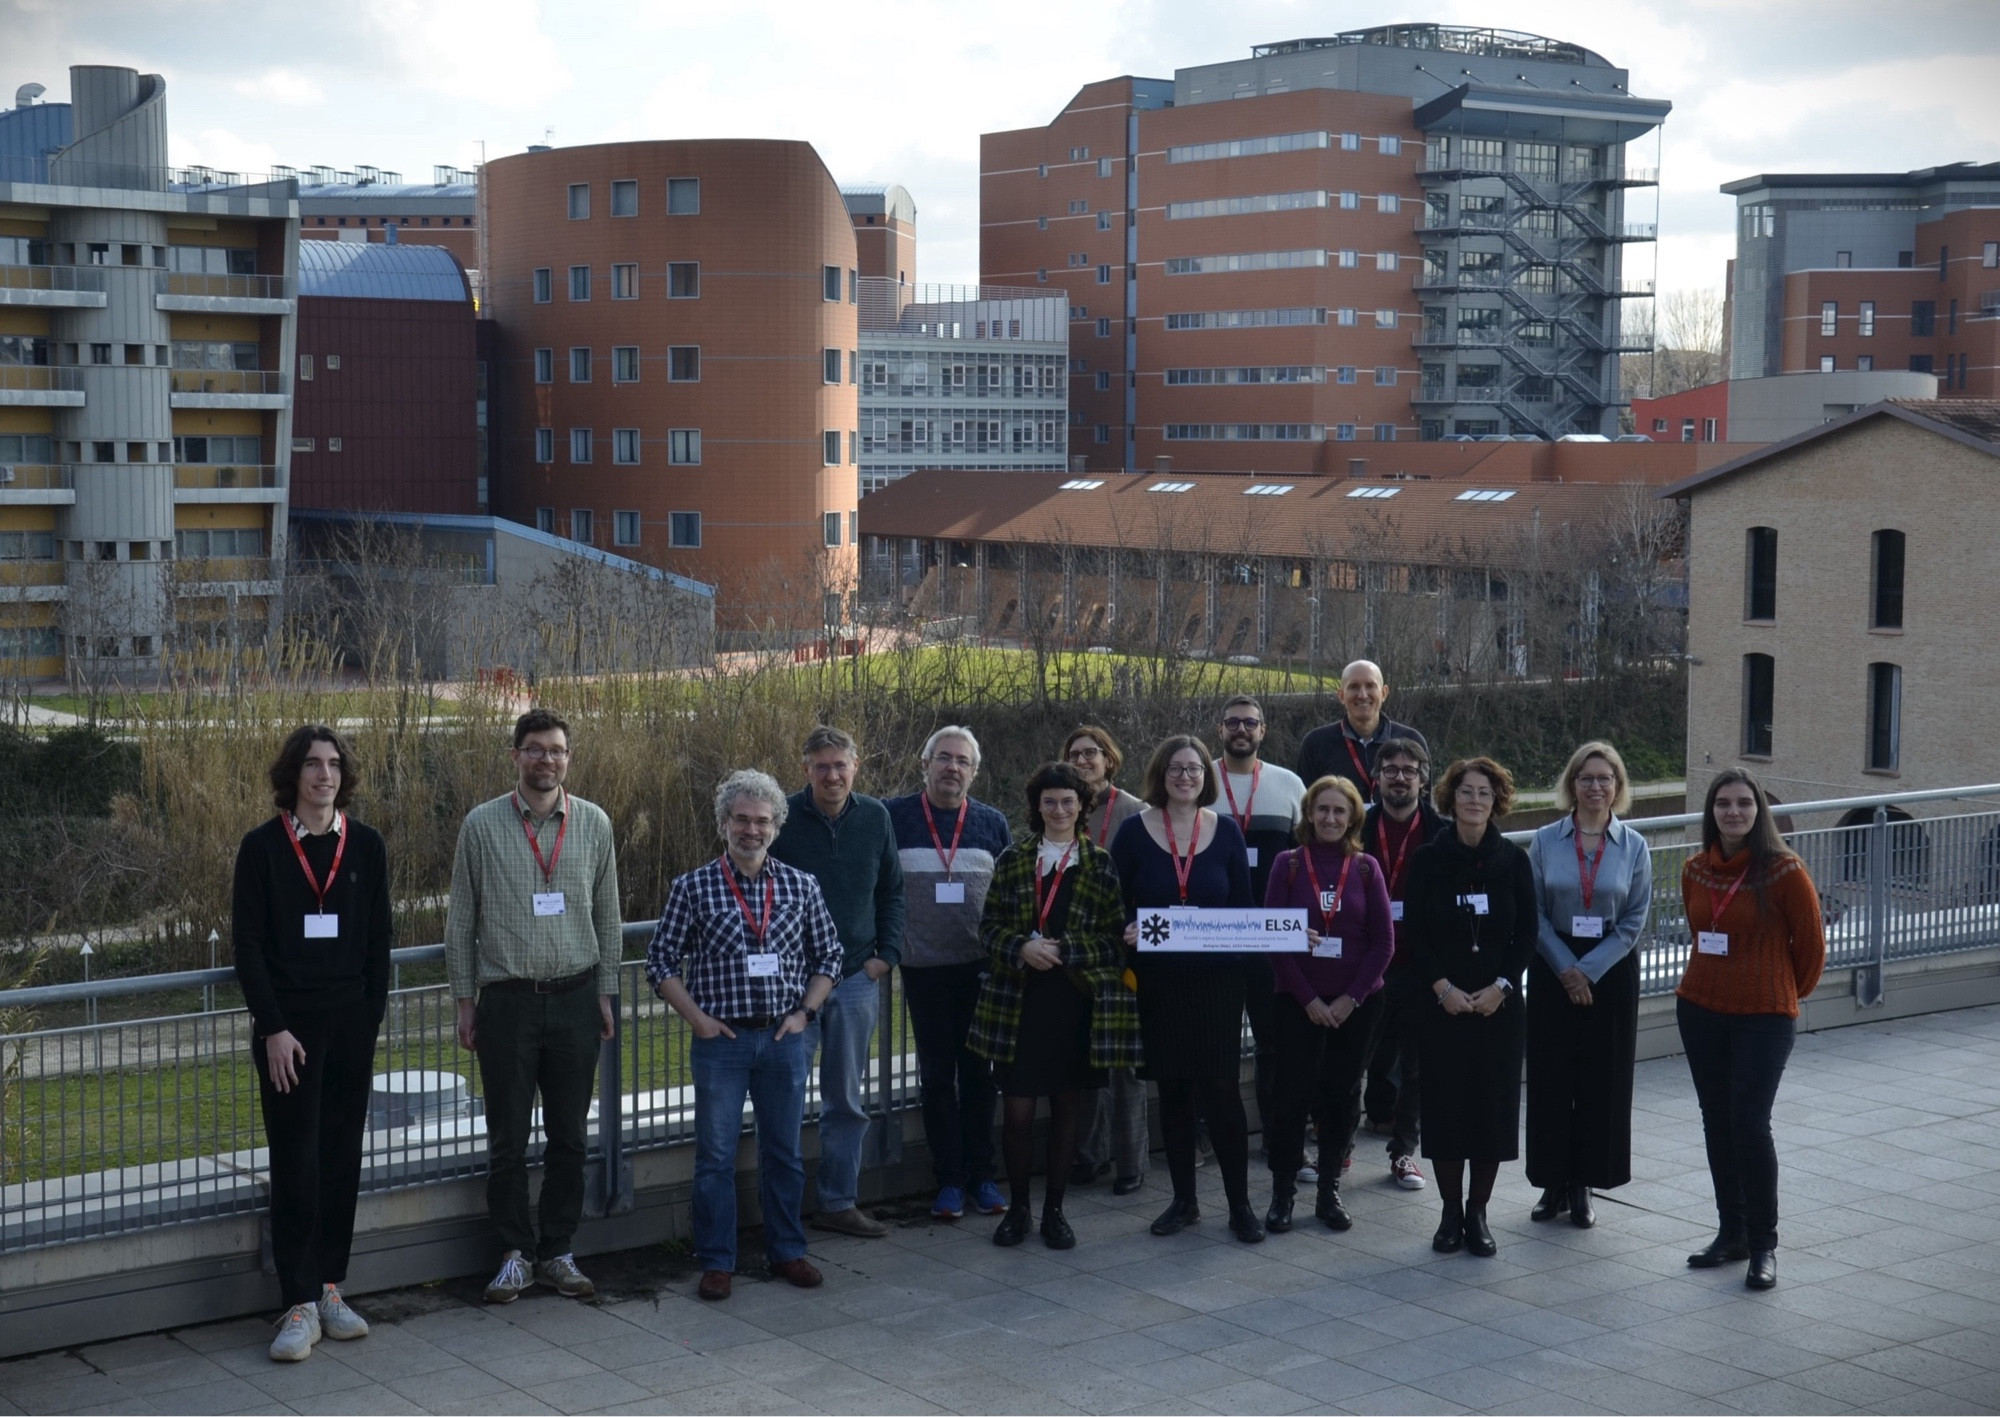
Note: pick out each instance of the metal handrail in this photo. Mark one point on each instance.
(1800, 809)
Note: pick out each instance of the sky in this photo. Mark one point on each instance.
(900, 90)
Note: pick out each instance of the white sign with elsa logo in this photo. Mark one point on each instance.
(1187, 929)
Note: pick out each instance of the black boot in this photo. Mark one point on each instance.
(1582, 1214)
(1013, 1226)
(1244, 1225)
(1056, 1233)
(1329, 1209)
(1478, 1239)
(1725, 1248)
(1554, 1201)
(1450, 1237)
(1178, 1215)
(1278, 1219)
(1763, 1272)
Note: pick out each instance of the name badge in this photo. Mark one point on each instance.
(1327, 948)
(322, 927)
(550, 903)
(1395, 910)
(763, 966)
(1712, 942)
(951, 892)
(1251, 852)
(1474, 903)
(1587, 927)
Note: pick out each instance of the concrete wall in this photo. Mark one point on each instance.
(1785, 405)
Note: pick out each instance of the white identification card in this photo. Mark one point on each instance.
(1474, 903)
(1327, 948)
(1712, 942)
(1395, 910)
(322, 927)
(1251, 851)
(1587, 927)
(763, 966)
(951, 892)
(550, 903)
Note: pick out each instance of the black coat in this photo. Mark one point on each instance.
(1471, 1065)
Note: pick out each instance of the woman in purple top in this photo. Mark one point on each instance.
(1329, 1001)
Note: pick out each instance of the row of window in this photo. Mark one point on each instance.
(1245, 432)
(683, 528)
(1923, 318)
(919, 434)
(1277, 202)
(394, 221)
(1884, 730)
(205, 449)
(180, 354)
(204, 260)
(1288, 315)
(1388, 144)
(1885, 577)
(683, 282)
(683, 197)
(683, 446)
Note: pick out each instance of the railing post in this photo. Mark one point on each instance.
(611, 1187)
(1868, 979)
(883, 1143)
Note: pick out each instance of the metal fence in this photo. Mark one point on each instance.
(114, 1127)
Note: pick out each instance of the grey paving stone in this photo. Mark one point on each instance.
(371, 1399)
(1477, 1390)
(1330, 1381)
(1410, 1361)
(450, 1390)
(1967, 1345)
(313, 1378)
(228, 1394)
(167, 1374)
(1776, 1397)
(1399, 1398)
(590, 1393)
(88, 1390)
(1852, 1384)
(1704, 1377)
(1255, 1395)
(532, 1370)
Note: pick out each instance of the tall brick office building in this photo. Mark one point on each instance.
(1414, 231)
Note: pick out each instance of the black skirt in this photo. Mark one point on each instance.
(1052, 1051)
(1190, 1018)
(1580, 1077)
(1471, 1097)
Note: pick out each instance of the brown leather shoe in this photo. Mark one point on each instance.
(714, 1284)
(799, 1272)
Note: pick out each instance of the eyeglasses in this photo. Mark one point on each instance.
(1242, 725)
(535, 753)
(950, 760)
(1595, 781)
(1093, 752)
(1398, 770)
(1186, 770)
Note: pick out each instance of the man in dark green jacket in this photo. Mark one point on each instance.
(844, 841)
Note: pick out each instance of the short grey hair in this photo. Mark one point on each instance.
(953, 730)
(748, 782)
(826, 736)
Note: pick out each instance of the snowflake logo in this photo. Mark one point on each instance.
(1155, 931)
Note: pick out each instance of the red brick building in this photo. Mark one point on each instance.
(1699, 415)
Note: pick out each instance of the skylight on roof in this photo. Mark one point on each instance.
(1171, 487)
(1268, 489)
(1082, 484)
(1485, 494)
(1380, 494)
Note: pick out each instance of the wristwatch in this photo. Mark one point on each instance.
(812, 1015)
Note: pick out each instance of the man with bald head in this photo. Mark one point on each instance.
(1347, 748)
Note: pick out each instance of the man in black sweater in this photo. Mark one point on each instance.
(311, 928)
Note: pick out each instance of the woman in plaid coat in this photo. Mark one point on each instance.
(1054, 1013)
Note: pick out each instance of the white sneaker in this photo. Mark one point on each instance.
(298, 1331)
(1407, 1173)
(1308, 1175)
(562, 1275)
(336, 1320)
(514, 1276)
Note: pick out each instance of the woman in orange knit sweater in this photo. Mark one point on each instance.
(1758, 949)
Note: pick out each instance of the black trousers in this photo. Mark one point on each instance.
(1580, 1078)
(1395, 1070)
(956, 1083)
(530, 1043)
(314, 1132)
(1737, 1061)
(1317, 1073)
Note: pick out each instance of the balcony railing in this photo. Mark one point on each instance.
(30, 573)
(41, 378)
(194, 476)
(35, 477)
(229, 381)
(233, 287)
(209, 575)
(83, 278)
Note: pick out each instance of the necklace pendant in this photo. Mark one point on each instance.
(1475, 949)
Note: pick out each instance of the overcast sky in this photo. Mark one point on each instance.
(899, 90)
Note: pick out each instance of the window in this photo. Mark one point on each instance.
(624, 280)
(1708, 427)
(830, 447)
(1344, 374)
(683, 280)
(579, 365)
(684, 363)
(1922, 364)
(829, 362)
(683, 196)
(1101, 433)
(1350, 142)
(579, 201)
(684, 447)
(1104, 221)
(1826, 364)
(545, 366)
(625, 446)
(1388, 202)
(1390, 144)
(1385, 319)
(1759, 684)
(544, 285)
(1829, 317)
(1843, 260)
(1103, 380)
(583, 525)
(581, 445)
(624, 363)
(1104, 275)
(1041, 223)
(1103, 327)
(1760, 573)
(1989, 255)
(830, 282)
(1885, 598)
(545, 520)
(1923, 318)
(1350, 201)
(1241, 206)
(1349, 260)
(1687, 430)
(305, 367)
(1385, 432)
(579, 282)
(831, 528)
(684, 529)
(1864, 362)
(1385, 260)
(1344, 316)
(1104, 166)
(1885, 717)
(624, 528)
(1864, 320)
(545, 445)
(1343, 432)
(1385, 375)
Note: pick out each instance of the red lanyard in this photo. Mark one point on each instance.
(298, 850)
(757, 928)
(1360, 766)
(1104, 827)
(1410, 835)
(1339, 889)
(1182, 869)
(535, 845)
(1587, 877)
(937, 841)
(1243, 817)
(1715, 910)
(1044, 905)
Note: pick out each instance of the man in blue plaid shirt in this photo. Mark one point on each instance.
(746, 952)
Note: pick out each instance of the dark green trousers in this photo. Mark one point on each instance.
(531, 1043)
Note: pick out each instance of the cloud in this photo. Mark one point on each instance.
(283, 86)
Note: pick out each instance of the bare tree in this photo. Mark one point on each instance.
(1687, 352)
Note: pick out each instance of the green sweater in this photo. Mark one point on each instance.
(854, 860)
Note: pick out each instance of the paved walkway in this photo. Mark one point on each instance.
(1888, 1301)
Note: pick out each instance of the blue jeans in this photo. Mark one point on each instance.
(772, 1073)
(846, 1028)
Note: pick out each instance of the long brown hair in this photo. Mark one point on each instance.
(1767, 848)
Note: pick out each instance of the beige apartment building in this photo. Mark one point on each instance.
(1841, 607)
